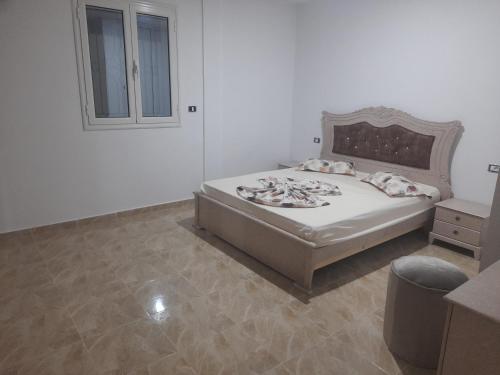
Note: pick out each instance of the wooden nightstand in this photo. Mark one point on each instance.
(461, 223)
(288, 164)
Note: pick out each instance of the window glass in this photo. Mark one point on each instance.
(154, 65)
(108, 62)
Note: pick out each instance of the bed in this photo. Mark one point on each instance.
(298, 241)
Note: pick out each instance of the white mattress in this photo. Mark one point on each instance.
(360, 209)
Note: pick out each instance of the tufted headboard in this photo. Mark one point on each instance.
(385, 139)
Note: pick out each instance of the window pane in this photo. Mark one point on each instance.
(108, 62)
(154, 65)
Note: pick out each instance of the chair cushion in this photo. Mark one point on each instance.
(429, 272)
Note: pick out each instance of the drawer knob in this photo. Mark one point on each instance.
(457, 218)
(455, 232)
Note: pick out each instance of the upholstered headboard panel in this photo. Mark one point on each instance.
(385, 139)
(393, 144)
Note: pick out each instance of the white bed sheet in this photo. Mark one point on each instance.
(361, 208)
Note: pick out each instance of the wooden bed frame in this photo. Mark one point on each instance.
(297, 258)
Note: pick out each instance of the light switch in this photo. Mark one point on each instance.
(494, 168)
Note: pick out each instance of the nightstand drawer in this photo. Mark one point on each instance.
(459, 218)
(456, 232)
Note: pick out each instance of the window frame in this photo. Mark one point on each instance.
(129, 9)
(148, 9)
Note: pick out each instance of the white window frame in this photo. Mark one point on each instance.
(130, 9)
(145, 8)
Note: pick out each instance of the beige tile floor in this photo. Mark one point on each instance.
(144, 293)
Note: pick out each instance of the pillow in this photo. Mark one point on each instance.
(328, 166)
(394, 185)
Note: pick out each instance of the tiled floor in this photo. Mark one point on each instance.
(144, 293)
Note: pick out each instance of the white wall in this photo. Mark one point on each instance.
(52, 170)
(264, 68)
(249, 68)
(438, 60)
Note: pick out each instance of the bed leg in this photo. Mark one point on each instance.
(306, 283)
(196, 223)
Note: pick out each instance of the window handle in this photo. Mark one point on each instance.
(134, 69)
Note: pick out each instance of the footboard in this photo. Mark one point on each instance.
(274, 247)
(284, 252)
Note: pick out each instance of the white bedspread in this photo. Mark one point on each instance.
(360, 209)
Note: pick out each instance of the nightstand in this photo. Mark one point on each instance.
(462, 223)
(288, 164)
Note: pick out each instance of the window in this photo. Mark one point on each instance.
(127, 64)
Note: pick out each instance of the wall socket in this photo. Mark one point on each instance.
(494, 168)
(316, 140)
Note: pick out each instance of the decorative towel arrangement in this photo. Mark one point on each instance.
(394, 185)
(328, 166)
(289, 192)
